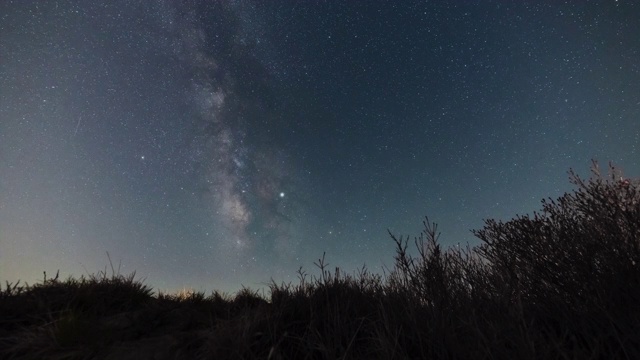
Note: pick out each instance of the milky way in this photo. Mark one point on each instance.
(243, 173)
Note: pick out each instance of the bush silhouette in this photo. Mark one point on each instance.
(582, 250)
(568, 274)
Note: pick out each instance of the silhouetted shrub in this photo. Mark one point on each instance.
(581, 250)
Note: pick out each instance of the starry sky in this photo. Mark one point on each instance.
(215, 144)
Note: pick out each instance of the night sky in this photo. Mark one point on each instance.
(214, 144)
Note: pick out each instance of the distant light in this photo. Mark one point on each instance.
(142, 157)
(281, 194)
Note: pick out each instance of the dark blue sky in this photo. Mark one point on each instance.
(213, 144)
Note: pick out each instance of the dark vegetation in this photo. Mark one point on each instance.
(563, 283)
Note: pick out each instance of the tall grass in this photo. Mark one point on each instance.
(563, 283)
